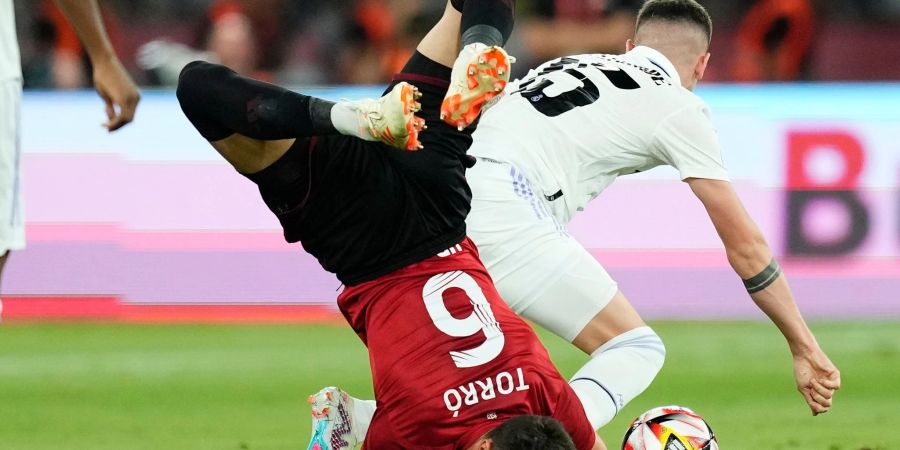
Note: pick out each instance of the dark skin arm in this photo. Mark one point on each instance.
(111, 81)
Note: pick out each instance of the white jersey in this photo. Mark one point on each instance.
(10, 66)
(576, 123)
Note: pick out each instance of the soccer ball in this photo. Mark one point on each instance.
(669, 428)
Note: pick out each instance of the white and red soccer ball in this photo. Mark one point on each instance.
(670, 428)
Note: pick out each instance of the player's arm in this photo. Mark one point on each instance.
(110, 79)
(749, 254)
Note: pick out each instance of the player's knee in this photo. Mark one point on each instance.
(200, 78)
(642, 342)
(192, 77)
(188, 80)
(656, 349)
(196, 85)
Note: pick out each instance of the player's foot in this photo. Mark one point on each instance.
(479, 73)
(332, 421)
(391, 119)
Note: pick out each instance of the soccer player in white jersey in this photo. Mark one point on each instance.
(561, 135)
(110, 79)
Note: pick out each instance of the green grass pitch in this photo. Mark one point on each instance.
(88, 386)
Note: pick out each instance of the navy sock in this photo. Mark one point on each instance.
(489, 22)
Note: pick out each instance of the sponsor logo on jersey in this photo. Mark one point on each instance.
(474, 392)
(450, 251)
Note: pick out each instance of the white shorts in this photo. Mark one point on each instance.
(12, 221)
(544, 274)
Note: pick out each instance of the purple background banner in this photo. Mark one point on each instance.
(153, 216)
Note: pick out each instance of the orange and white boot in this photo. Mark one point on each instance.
(391, 119)
(479, 74)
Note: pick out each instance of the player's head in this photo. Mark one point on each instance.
(527, 433)
(679, 29)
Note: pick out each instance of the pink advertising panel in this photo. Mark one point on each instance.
(151, 215)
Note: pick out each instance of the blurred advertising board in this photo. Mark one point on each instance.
(151, 215)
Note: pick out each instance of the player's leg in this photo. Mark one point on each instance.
(252, 124)
(550, 279)
(485, 22)
(2, 264)
(625, 354)
(339, 421)
(441, 43)
(429, 69)
(481, 68)
(12, 224)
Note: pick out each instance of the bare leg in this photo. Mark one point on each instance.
(441, 44)
(616, 318)
(249, 155)
(487, 21)
(481, 68)
(625, 354)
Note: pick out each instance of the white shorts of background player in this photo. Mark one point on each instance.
(12, 221)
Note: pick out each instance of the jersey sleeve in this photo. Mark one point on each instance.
(687, 141)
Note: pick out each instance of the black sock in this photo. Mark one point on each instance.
(489, 22)
(219, 103)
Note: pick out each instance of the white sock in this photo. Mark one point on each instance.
(345, 118)
(617, 372)
(363, 411)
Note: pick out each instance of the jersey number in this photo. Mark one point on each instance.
(583, 95)
(482, 318)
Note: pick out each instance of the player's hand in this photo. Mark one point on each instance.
(817, 379)
(118, 91)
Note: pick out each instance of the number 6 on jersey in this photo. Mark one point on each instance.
(482, 318)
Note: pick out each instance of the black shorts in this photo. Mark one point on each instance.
(365, 209)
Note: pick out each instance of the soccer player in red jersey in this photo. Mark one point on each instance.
(454, 368)
(450, 362)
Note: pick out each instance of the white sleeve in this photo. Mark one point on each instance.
(687, 141)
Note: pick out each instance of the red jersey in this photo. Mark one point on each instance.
(450, 360)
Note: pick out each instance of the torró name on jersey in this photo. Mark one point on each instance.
(473, 392)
